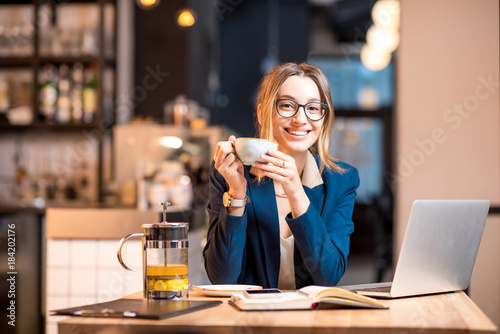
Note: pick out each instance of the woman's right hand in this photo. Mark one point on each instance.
(231, 168)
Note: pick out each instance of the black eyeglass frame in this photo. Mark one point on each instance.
(303, 106)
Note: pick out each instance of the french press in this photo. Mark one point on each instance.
(164, 258)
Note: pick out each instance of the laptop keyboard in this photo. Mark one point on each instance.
(377, 289)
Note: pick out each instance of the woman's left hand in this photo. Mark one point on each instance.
(281, 168)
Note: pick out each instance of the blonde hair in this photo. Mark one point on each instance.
(266, 97)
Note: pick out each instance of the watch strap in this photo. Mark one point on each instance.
(234, 202)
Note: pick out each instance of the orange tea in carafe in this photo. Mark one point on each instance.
(169, 277)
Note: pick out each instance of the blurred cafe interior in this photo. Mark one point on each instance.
(108, 107)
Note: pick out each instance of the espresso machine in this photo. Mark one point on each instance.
(158, 163)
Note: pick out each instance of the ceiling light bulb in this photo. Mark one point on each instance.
(374, 59)
(380, 38)
(147, 4)
(386, 14)
(186, 18)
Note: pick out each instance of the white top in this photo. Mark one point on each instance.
(286, 278)
(310, 178)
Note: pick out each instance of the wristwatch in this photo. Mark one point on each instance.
(230, 202)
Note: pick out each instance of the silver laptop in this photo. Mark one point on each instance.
(438, 251)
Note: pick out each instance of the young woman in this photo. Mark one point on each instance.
(290, 222)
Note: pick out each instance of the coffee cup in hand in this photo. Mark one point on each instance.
(249, 150)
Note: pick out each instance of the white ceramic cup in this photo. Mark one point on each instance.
(249, 150)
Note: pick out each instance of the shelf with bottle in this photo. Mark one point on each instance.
(70, 30)
(43, 170)
(76, 29)
(67, 95)
(63, 35)
(17, 33)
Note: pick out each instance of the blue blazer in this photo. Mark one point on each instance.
(246, 249)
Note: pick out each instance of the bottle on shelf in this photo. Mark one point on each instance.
(56, 47)
(45, 41)
(48, 94)
(181, 110)
(89, 95)
(76, 93)
(4, 99)
(89, 41)
(63, 100)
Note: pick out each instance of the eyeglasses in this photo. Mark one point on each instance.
(288, 108)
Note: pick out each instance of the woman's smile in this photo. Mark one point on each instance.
(298, 133)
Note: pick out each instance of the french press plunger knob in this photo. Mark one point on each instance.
(164, 206)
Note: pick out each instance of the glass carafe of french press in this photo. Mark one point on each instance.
(164, 258)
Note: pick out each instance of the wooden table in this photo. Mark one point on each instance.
(444, 313)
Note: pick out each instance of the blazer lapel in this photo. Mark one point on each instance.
(266, 217)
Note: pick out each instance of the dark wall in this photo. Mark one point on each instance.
(160, 58)
(218, 61)
(203, 54)
(243, 43)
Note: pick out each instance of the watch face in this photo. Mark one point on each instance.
(225, 199)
